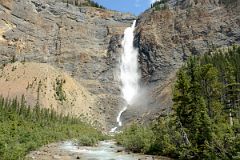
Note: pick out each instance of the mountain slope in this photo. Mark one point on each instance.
(47, 87)
(166, 35)
(75, 39)
(85, 43)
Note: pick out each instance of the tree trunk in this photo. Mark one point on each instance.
(230, 118)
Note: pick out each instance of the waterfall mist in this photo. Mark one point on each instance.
(129, 74)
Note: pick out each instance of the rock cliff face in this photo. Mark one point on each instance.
(167, 36)
(85, 43)
(77, 40)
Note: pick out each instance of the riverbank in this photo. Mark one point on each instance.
(105, 150)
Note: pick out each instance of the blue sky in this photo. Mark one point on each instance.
(132, 6)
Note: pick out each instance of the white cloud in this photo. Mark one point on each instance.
(153, 1)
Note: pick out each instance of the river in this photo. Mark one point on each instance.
(105, 150)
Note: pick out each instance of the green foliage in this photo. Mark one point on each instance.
(168, 138)
(24, 129)
(157, 138)
(95, 4)
(160, 5)
(82, 4)
(193, 114)
(205, 122)
(60, 93)
(86, 140)
(136, 138)
(205, 105)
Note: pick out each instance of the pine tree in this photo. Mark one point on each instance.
(191, 109)
(211, 89)
(182, 98)
(229, 80)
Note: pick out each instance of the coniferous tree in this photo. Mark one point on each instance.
(229, 80)
(211, 89)
(182, 97)
(191, 109)
(206, 98)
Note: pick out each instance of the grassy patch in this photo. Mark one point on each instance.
(24, 129)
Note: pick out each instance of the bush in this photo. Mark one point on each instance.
(60, 93)
(87, 141)
(136, 138)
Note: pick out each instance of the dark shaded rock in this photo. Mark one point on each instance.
(166, 38)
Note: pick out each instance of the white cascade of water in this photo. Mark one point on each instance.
(129, 74)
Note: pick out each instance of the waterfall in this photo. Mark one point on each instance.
(129, 74)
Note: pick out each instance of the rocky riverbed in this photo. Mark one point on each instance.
(105, 150)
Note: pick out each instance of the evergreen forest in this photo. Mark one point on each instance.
(205, 119)
(25, 129)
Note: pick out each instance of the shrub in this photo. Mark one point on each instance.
(136, 138)
(60, 93)
(87, 141)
